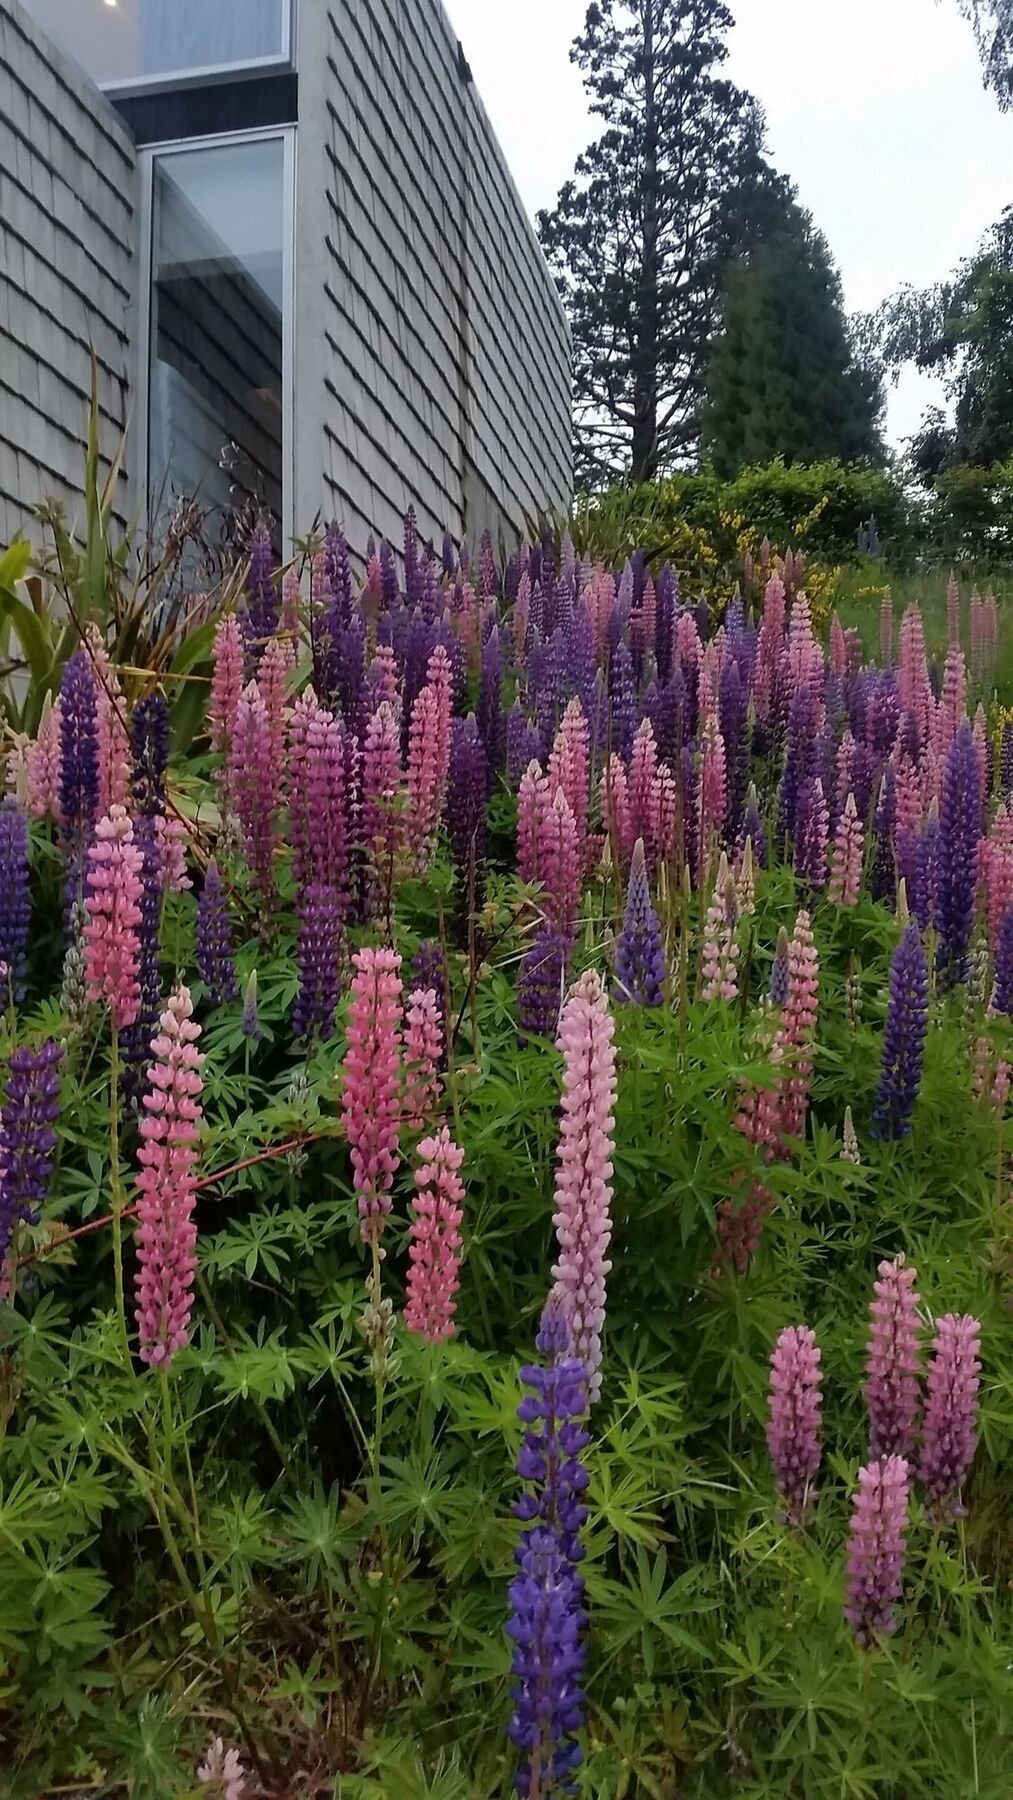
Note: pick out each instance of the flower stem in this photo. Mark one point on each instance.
(116, 1187)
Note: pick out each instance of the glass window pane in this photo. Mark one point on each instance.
(122, 41)
(218, 271)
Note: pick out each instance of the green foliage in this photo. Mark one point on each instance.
(783, 379)
(818, 508)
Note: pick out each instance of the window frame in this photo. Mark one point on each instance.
(147, 159)
(212, 73)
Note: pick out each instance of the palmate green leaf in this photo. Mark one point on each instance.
(262, 1372)
(646, 1610)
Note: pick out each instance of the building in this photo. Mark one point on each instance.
(287, 234)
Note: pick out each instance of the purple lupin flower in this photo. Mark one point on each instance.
(875, 1566)
(263, 608)
(623, 700)
(350, 674)
(893, 1363)
(466, 815)
(668, 599)
(546, 1595)
(215, 950)
(733, 701)
(1006, 762)
(250, 1016)
(752, 827)
(27, 1138)
(78, 747)
(907, 1020)
(959, 831)
(793, 1428)
(951, 1412)
(924, 893)
(1002, 993)
(797, 759)
(541, 980)
(883, 876)
(780, 971)
(640, 958)
(149, 738)
(490, 714)
(339, 571)
(523, 743)
(812, 820)
(15, 901)
(319, 945)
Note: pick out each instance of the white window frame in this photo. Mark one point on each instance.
(214, 72)
(146, 165)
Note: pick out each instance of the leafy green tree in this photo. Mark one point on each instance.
(961, 329)
(993, 28)
(675, 183)
(784, 379)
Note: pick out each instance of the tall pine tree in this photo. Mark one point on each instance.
(784, 379)
(638, 239)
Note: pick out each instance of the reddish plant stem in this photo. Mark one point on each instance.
(248, 1162)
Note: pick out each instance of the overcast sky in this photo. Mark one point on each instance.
(875, 108)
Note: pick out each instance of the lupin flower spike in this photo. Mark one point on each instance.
(893, 1365)
(166, 1232)
(793, 1430)
(951, 1410)
(875, 1565)
(112, 945)
(435, 1239)
(582, 1218)
(371, 1100)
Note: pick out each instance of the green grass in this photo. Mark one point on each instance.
(857, 597)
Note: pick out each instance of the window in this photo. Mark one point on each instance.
(127, 44)
(218, 326)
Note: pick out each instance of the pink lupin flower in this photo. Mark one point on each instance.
(272, 682)
(913, 683)
(370, 1099)
(713, 793)
(381, 677)
(893, 1362)
(423, 1048)
(849, 850)
(769, 648)
(111, 942)
(875, 1564)
(952, 709)
(614, 794)
(440, 677)
(435, 1239)
(652, 799)
(381, 791)
(43, 762)
(908, 796)
(533, 802)
(170, 836)
(114, 754)
(951, 1411)
(798, 1026)
(793, 1429)
(599, 597)
(291, 604)
(952, 612)
(582, 1218)
(720, 951)
(223, 1772)
(255, 783)
(429, 759)
(838, 648)
(166, 1232)
(995, 871)
(569, 768)
(886, 628)
(226, 689)
(805, 658)
(559, 865)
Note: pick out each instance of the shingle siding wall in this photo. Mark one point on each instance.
(67, 202)
(432, 355)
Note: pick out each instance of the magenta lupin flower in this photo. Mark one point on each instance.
(582, 1218)
(272, 681)
(43, 764)
(533, 802)
(569, 767)
(255, 781)
(793, 1429)
(559, 865)
(371, 1098)
(381, 788)
(423, 1048)
(434, 1246)
(166, 1232)
(875, 1565)
(797, 1031)
(614, 795)
(951, 1412)
(113, 738)
(893, 1363)
(111, 940)
(849, 849)
(428, 766)
(226, 688)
